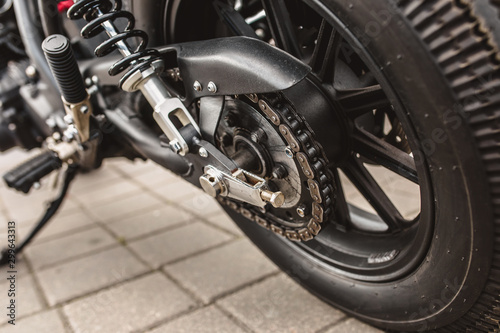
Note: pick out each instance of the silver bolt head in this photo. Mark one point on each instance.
(212, 87)
(68, 119)
(211, 184)
(175, 146)
(84, 109)
(197, 86)
(203, 152)
(277, 199)
(258, 135)
(301, 211)
(31, 72)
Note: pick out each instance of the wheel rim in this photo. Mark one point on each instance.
(349, 247)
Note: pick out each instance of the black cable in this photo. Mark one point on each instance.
(32, 40)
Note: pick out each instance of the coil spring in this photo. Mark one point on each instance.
(97, 13)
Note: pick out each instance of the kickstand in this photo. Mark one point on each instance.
(51, 210)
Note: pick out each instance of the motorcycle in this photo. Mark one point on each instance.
(277, 108)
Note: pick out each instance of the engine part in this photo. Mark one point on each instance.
(16, 125)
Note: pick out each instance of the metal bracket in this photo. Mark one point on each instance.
(164, 112)
(241, 185)
(165, 106)
(80, 113)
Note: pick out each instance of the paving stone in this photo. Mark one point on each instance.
(149, 221)
(45, 322)
(106, 193)
(222, 270)
(207, 320)
(30, 207)
(124, 207)
(178, 243)
(63, 224)
(88, 274)
(24, 208)
(128, 307)
(154, 176)
(225, 222)
(95, 179)
(280, 305)
(131, 168)
(353, 326)
(176, 191)
(76, 244)
(202, 205)
(27, 299)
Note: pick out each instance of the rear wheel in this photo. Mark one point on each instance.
(410, 243)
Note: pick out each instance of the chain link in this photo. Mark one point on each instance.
(314, 165)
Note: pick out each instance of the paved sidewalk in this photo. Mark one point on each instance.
(135, 249)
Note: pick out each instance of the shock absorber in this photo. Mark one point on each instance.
(143, 65)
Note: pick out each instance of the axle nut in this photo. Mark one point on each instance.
(212, 185)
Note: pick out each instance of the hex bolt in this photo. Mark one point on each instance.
(203, 152)
(197, 86)
(302, 210)
(258, 135)
(212, 87)
(175, 146)
(279, 172)
(277, 199)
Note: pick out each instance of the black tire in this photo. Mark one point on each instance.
(440, 59)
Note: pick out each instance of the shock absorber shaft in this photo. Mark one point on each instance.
(111, 31)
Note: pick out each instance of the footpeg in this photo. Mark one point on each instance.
(24, 176)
